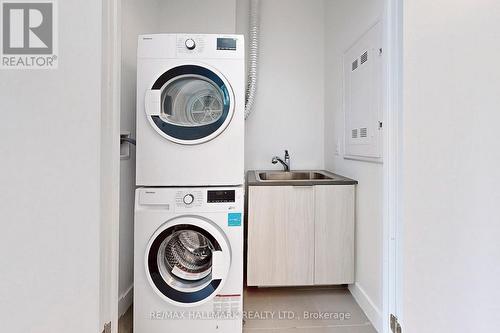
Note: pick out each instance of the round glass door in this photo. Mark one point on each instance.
(195, 104)
(185, 259)
(191, 100)
(182, 259)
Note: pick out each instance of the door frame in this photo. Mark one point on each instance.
(393, 166)
(392, 212)
(110, 165)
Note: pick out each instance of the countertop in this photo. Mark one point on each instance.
(337, 179)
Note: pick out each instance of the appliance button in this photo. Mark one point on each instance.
(190, 44)
(188, 199)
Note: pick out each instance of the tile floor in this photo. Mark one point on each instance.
(346, 315)
(282, 310)
(125, 324)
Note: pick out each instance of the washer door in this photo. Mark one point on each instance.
(190, 104)
(187, 260)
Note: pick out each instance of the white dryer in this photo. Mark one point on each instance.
(188, 260)
(190, 110)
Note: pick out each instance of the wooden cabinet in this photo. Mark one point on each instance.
(280, 236)
(300, 235)
(334, 234)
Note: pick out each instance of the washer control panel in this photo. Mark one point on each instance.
(192, 200)
(196, 198)
(188, 198)
(190, 44)
(221, 196)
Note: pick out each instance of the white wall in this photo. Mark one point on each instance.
(290, 99)
(50, 176)
(451, 162)
(346, 21)
(198, 16)
(138, 17)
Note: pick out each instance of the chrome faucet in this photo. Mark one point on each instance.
(286, 163)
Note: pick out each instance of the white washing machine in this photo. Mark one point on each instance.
(190, 110)
(188, 260)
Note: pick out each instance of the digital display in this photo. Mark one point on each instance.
(226, 44)
(220, 196)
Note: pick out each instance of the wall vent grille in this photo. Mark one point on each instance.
(355, 65)
(363, 132)
(364, 57)
(354, 133)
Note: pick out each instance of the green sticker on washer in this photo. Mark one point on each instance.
(234, 219)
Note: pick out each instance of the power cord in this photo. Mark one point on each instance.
(129, 140)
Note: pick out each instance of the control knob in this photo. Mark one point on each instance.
(188, 199)
(190, 44)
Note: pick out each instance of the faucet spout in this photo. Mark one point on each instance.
(285, 163)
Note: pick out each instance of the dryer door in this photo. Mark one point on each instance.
(187, 260)
(190, 104)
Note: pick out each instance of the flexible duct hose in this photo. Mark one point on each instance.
(253, 57)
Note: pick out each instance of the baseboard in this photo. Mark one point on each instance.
(370, 309)
(125, 301)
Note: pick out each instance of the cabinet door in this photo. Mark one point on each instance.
(334, 230)
(280, 236)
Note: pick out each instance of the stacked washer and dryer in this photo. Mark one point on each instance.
(188, 251)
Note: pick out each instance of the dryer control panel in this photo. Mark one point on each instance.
(194, 44)
(209, 46)
(191, 46)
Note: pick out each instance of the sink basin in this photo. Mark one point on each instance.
(292, 176)
(296, 178)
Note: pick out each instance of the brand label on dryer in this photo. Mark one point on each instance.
(234, 219)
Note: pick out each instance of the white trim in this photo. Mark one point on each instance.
(392, 291)
(110, 161)
(367, 305)
(376, 160)
(125, 301)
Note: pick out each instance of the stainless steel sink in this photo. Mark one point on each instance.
(292, 176)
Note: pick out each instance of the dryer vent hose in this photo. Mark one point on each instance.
(253, 57)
